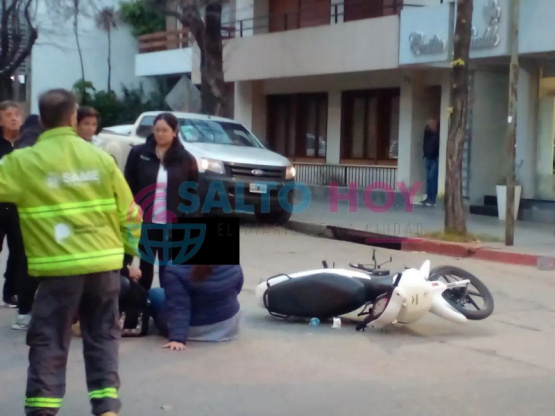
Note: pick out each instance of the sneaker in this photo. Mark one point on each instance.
(10, 301)
(22, 322)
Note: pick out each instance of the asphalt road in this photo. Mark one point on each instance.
(501, 366)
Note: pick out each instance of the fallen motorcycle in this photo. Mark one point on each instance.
(375, 297)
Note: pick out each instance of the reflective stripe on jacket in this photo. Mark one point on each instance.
(76, 210)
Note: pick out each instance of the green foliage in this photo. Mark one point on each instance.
(142, 17)
(116, 110)
(84, 90)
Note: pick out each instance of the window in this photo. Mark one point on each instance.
(216, 132)
(298, 124)
(370, 125)
(295, 14)
(366, 9)
(145, 126)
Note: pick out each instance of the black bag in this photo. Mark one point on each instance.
(135, 312)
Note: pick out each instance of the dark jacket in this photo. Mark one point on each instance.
(431, 144)
(6, 147)
(30, 132)
(6, 208)
(195, 304)
(141, 172)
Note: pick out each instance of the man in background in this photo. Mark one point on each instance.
(26, 285)
(10, 122)
(431, 155)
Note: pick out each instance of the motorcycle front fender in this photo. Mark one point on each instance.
(443, 309)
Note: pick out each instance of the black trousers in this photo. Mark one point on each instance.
(17, 263)
(150, 248)
(58, 300)
(27, 287)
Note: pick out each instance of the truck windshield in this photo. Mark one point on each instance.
(216, 132)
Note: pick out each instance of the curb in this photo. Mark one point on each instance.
(461, 250)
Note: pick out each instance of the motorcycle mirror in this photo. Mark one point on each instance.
(390, 260)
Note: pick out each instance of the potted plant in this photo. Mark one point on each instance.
(501, 189)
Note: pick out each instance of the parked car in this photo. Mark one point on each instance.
(225, 151)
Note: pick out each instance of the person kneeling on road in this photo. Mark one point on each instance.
(198, 303)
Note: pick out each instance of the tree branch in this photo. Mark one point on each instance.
(23, 53)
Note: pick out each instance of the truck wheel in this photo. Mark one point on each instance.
(277, 216)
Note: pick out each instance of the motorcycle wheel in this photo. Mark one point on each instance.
(461, 298)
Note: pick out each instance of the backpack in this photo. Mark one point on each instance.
(135, 312)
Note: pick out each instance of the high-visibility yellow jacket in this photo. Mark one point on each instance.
(76, 210)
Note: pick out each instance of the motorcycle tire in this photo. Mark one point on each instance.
(484, 292)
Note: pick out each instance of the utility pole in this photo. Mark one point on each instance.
(511, 124)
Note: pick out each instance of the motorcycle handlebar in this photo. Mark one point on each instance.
(361, 267)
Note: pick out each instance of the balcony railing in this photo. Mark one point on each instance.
(162, 41)
(319, 13)
(173, 39)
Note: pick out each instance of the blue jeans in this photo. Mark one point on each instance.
(159, 309)
(431, 180)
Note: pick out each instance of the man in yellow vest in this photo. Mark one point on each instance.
(78, 219)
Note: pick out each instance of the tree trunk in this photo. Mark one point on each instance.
(76, 32)
(109, 60)
(212, 73)
(455, 219)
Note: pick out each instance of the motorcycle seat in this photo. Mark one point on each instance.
(376, 285)
(323, 295)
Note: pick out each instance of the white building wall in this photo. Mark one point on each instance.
(327, 49)
(445, 80)
(488, 161)
(526, 128)
(55, 59)
(174, 61)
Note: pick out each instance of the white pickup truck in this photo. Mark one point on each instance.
(226, 152)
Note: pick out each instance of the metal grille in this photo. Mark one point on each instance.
(256, 171)
(343, 175)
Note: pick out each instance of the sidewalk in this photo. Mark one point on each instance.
(532, 240)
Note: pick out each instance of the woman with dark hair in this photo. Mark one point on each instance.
(155, 170)
(198, 303)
